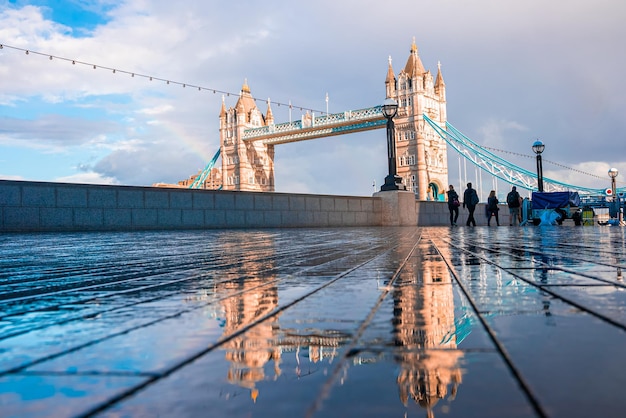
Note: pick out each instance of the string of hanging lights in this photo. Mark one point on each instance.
(545, 161)
(153, 78)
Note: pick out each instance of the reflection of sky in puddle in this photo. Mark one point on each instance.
(280, 323)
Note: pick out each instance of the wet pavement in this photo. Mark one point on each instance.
(364, 322)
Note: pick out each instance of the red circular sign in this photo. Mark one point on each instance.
(608, 192)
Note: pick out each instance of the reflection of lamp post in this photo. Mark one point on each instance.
(390, 108)
(538, 148)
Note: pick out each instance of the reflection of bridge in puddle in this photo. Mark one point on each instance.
(423, 343)
(425, 329)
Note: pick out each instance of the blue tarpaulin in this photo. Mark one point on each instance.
(555, 200)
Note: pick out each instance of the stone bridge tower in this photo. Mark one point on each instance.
(421, 154)
(246, 166)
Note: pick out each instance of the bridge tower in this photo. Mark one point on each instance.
(421, 154)
(246, 166)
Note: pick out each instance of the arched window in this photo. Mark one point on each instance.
(433, 193)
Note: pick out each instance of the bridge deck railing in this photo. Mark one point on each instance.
(334, 119)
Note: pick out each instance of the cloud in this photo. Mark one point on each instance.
(148, 163)
(87, 178)
(496, 133)
(53, 132)
(10, 177)
(514, 72)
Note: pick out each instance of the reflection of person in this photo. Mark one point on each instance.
(512, 199)
(453, 205)
(492, 208)
(470, 200)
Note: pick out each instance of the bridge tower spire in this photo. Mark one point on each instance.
(422, 154)
(246, 166)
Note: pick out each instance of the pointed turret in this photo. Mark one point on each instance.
(390, 81)
(246, 102)
(440, 86)
(414, 67)
(223, 110)
(391, 77)
(245, 88)
(269, 117)
(439, 82)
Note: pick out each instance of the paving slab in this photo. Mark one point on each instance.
(326, 322)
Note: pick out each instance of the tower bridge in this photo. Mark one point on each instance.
(248, 137)
(422, 135)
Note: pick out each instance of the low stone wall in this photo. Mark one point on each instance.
(431, 213)
(39, 206)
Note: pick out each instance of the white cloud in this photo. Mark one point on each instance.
(496, 133)
(87, 178)
(10, 177)
(514, 72)
(157, 110)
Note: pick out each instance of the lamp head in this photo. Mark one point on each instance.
(538, 147)
(613, 172)
(390, 108)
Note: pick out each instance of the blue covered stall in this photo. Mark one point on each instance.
(555, 200)
(554, 207)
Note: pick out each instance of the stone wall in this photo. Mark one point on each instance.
(433, 213)
(38, 206)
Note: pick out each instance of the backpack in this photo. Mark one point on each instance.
(512, 199)
(475, 199)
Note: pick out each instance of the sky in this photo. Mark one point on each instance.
(514, 72)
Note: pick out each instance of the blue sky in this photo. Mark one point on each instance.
(81, 16)
(514, 72)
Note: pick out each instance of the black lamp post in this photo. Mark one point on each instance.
(614, 209)
(390, 109)
(538, 148)
(613, 173)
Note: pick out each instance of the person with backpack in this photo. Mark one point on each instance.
(492, 208)
(453, 205)
(470, 200)
(513, 200)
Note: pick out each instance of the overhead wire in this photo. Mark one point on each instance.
(115, 70)
(547, 161)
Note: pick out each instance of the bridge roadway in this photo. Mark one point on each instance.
(367, 322)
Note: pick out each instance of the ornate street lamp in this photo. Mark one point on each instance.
(614, 206)
(613, 173)
(390, 109)
(538, 148)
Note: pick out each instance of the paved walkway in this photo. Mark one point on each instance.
(366, 322)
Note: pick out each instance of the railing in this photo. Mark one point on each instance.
(499, 167)
(350, 117)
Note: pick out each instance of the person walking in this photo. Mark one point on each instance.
(492, 208)
(453, 205)
(470, 200)
(513, 201)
